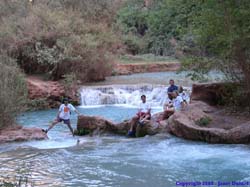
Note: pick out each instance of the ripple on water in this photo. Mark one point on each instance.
(118, 161)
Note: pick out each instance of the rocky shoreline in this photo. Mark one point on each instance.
(200, 121)
(184, 124)
(128, 69)
(18, 133)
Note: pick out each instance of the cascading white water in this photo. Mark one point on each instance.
(123, 94)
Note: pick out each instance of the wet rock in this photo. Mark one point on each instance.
(94, 125)
(19, 133)
(184, 124)
(98, 125)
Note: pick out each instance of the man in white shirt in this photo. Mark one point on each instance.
(63, 115)
(143, 114)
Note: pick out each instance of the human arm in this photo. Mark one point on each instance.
(74, 109)
(59, 111)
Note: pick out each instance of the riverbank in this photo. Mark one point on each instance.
(17, 133)
(145, 67)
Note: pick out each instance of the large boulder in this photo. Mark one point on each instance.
(213, 93)
(99, 125)
(19, 133)
(94, 125)
(186, 124)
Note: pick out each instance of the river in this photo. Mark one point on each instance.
(152, 161)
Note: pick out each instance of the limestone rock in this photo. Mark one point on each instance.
(98, 125)
(51, 91)
(212, 93)
(127, 69)
(19, 133)
(183, 124)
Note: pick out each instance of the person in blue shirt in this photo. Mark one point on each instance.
(172, 87)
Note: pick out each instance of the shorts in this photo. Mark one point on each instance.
(66, 121)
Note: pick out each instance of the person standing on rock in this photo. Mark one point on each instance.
(143, 114)
(63, 115)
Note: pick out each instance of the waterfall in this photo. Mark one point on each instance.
(123, 95)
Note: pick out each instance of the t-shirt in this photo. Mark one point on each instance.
(185, 96)
(65, 111)
(172, 88)
(177, 103)
(144, 107)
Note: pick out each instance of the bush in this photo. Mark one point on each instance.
(203, 121)
(13, 91)
(60, 37)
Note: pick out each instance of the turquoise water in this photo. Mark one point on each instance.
(157, 161)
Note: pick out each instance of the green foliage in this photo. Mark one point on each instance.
(203, 121)
(161, 25)
(13, 91)
(82, 132)
(37, 104)
(222, 40)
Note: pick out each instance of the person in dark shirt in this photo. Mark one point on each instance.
(172, 87)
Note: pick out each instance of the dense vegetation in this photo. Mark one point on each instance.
(205, 35)
(58, 39)
(13, 91)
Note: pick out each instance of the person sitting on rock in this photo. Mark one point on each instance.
(143, 114)
(63, 115)
(184, 95)
(172, 87)
(176, 104)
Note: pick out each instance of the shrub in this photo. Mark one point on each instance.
(204, 121)
(13, 91)
(60, 37)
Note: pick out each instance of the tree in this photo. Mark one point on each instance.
(222, 34)
(13, 91)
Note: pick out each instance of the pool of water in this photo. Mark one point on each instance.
(160, 160)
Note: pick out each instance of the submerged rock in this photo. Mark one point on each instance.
(19, 133)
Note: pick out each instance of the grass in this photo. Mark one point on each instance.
(145, 58)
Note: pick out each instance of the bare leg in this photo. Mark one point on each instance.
(70, 128)
(133, 122)
(52, 125)
(146, 117)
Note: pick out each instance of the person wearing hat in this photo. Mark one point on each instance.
(63, 115)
